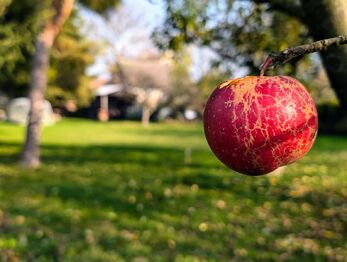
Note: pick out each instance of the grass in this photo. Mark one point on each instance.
(118, 192)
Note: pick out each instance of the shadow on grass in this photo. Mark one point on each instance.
(154, 182)
(110, 154)
(104, 175)
(111, 167)
(114, 164)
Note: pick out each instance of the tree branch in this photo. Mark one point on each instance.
(278, 58)
(62, 10)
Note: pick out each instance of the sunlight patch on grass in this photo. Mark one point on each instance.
(118, 192)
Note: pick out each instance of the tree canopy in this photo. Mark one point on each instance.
(70, 55)
(243, 33)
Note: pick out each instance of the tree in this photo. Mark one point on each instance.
(70, 54)
(184, 93)
(70, 57)
(325, 19)
(19, 23)
(207, 83)
(123, 34)
(148, 80)
(62, 10)
(52, 25)
(245, 31)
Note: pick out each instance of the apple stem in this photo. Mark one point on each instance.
(265, 65)
(278, 58)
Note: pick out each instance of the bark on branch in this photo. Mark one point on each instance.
(278, 58)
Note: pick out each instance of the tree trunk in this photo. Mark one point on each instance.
(30, 155)
(62, 10)
(325, 19)
(146, 114)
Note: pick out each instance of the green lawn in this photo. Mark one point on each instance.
(118, 192)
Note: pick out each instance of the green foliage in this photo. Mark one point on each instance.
(187, 93)
(19, 24)
(3, 6)
(71, 54)
(186, 22)
(106, 194)
(183, 92)
(100, 5)
(241, 33)
(210, 81)
(69, 59)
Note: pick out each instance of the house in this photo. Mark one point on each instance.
(137, 87)
(111, 102)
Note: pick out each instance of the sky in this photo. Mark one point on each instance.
(127, 32)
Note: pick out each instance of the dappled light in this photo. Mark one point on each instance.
(115, 197)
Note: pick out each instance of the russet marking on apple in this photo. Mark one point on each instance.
(256, 124)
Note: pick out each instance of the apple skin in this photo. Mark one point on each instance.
(256, 124)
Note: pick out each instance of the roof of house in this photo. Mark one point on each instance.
(106, 90)
(152, 72)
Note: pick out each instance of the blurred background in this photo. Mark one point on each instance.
(126, 173)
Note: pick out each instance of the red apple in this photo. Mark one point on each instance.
(256, 124)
